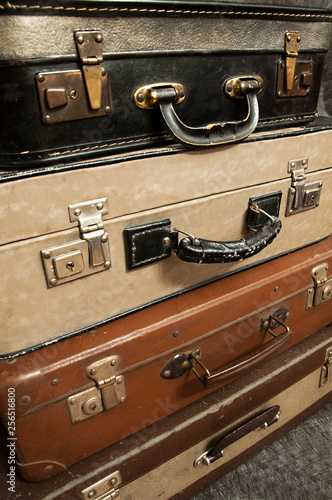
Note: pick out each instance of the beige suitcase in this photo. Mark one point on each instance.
(61, 280)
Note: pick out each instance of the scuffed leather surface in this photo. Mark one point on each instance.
(24, 37)
(211, 252)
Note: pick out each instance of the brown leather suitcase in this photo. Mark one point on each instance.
(80, 395)
(165, 459)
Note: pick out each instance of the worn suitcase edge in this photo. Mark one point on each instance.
(118, 155)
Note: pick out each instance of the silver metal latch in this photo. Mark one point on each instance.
(89, 254)
(109, 391)
(322, 290)
(105, 489)
(326, 372)
(302, 195)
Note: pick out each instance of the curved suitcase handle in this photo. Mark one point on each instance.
(202, 251)
(247, 362)
(165, 95)
(181, 363)
(155, 241)
(264, 419)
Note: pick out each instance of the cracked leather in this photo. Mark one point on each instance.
(212, 252)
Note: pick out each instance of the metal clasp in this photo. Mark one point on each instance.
(109, 391)
(90, 50)
(322, 290)
(294, 78)
(85, 256)
(326, 372)
(75, 94)
(105, 489)
(302, 195)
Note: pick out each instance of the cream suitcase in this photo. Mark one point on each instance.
(85, 243)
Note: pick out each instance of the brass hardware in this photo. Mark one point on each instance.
(294, 77)
(292, 42)
(275, 319)
(75, 94)
(179, 365)
(322, 290)
(105, 489)
(109, 391)
(56, 98)
(63, 97)
(90, 51)
(302, 195)
(145, 97)
(326, 372)
(81, 257)
(234, 86)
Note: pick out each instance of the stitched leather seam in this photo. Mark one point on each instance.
(77, 150)
(133, 248)
(166, 11)
(132, 141)
(295, 118)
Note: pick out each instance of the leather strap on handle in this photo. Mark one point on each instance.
(202, 251)
(264, 419)
(212, 134)
(247, 362)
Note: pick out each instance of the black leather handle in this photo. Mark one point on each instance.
(202, 251)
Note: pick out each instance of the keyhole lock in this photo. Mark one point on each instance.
(91, 406)
(70, 265)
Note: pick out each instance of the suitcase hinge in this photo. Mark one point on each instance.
(294, 78)
(322, 290)
(105, 489)
(109, 391)
(85, 256)
(326, 373)
(302, 195)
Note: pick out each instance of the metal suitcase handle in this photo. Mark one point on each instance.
(181, 363)
(264, 419)
(165, 95)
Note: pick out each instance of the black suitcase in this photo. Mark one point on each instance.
(205, 73)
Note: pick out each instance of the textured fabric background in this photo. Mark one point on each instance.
(296, 467)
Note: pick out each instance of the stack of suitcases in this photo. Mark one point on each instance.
(166, 248)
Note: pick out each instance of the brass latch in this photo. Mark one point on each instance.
(294, 78)
(326, 372)
(302, 195)
(84, 256)
(75, 94)
(109, 391)
(105, 489)
(90, 51)
(322, 290)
